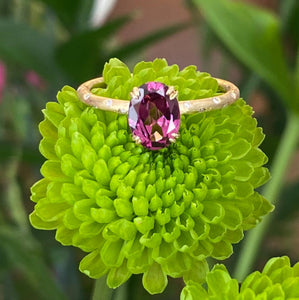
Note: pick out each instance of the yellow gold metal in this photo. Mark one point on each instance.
(171, 92)
(230, 95)
(135, 93)
(136, 139)
(173, 138)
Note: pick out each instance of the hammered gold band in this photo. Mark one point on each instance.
(230, 95)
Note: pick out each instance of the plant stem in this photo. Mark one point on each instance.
(101, 290)
(297, 75)
(12, 193)
(122, 292)
(271, 192)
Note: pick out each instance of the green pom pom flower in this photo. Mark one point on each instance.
(278, 280)
(160, 213)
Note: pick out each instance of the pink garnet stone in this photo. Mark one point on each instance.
(154, 118)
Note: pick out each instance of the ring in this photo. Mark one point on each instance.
(154, 111)
(230, 95)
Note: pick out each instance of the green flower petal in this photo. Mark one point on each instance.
(117, 276)
(193, 291)
(278, 280)
(38, 223)
(92, 265)
(111, 253)
(139, 211)
(154, 279)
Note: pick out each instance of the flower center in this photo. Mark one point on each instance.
(154, 115)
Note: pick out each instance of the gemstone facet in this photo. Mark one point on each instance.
(154, 115)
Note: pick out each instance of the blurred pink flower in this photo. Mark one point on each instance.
(33, 79)
(2, 78)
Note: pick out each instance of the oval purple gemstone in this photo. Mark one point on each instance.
(154, 116)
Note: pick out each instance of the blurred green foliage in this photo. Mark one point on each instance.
(266, 47)
(253, 35)
(54, 38)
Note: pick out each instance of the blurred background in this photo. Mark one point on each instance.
(45, 44)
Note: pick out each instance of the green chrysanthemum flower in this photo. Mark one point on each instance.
(278, 281)
(154, 212)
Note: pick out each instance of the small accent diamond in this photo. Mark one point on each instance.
(122, 110)
(187, 104)
(108, 102)
(234, 95)
(216, 100)
(86, 96)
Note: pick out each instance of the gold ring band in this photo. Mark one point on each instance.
(230, 95)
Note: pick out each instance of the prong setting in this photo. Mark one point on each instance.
(135, 94)
(174, 137)
(171, 92)
(136, 139)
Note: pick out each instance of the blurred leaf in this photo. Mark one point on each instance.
(82, 56)
(28, 48)
(4, 7)
(21, 253)
(84, 14)
(289, 204)
(297, 77)
(290, 13)
(66, 10)
(86, 52)
(12, 195)
(252, 35)
(138, 45)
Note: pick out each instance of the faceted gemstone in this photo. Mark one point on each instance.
(154, 116)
